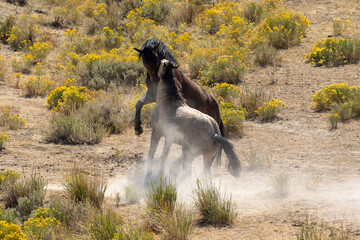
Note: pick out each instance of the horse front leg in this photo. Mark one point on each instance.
(164, 155)
(155, 138)
(148, 98)
(208, 161)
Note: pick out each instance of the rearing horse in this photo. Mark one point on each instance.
(152, 52)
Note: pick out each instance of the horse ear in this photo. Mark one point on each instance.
(136, 49)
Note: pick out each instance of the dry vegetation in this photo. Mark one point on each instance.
(282, 72)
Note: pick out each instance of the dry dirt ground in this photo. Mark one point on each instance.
(322, 165)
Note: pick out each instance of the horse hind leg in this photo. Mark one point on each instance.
(208, 160)
(187, 159)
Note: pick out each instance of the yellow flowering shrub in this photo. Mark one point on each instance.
(76, 43)
(24, 32)
(230, 69)
(9, 119)
(40, 69)
(253, 11)
(3, 138)
(157, 10)
(334, 52)
(341, 100)
(334, 93)
(39, 51)
(180, 45)
(233, 117)
(226, 91)
(140, 29)
(112, 39)
(334, 119)
(39, 226)
(38, 86)
(68, 97)
(109, 69)
(5, 27)
(200, 57)
(10, 231)
(284, 29)
(211, 19)
(270, 109)
(3, 68)
(235, 30)
(93, 9)
(8, 176)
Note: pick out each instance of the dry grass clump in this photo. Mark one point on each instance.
(164, 215)
(176, 225)
(77, 127)
(312, 231)
(265, 54)
(341, 26)
(38, 86)
(107, 113)
(159, 199)
(25, 194)
(82, 187)
(132, 195)
(104, 224)
(214, 207)
(281, 184)
(257, 157)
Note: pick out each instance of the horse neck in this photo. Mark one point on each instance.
(188, 87)
(168, 98)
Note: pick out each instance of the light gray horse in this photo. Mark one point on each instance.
(196, 132)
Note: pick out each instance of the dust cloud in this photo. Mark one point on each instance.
(328, 197)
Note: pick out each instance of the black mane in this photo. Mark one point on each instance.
(149, 45)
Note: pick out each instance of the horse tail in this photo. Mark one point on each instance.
(218, 157)
(234, 166)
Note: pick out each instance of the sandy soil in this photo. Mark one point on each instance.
(323, 165)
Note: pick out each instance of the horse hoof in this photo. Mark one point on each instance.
(139, 131)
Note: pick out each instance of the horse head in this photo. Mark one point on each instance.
(150, 56)
(165, 67)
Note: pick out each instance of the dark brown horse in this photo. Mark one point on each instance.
(196, 132)
(152, 52)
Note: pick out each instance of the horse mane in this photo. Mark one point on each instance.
(171, 89)
(151, 43)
